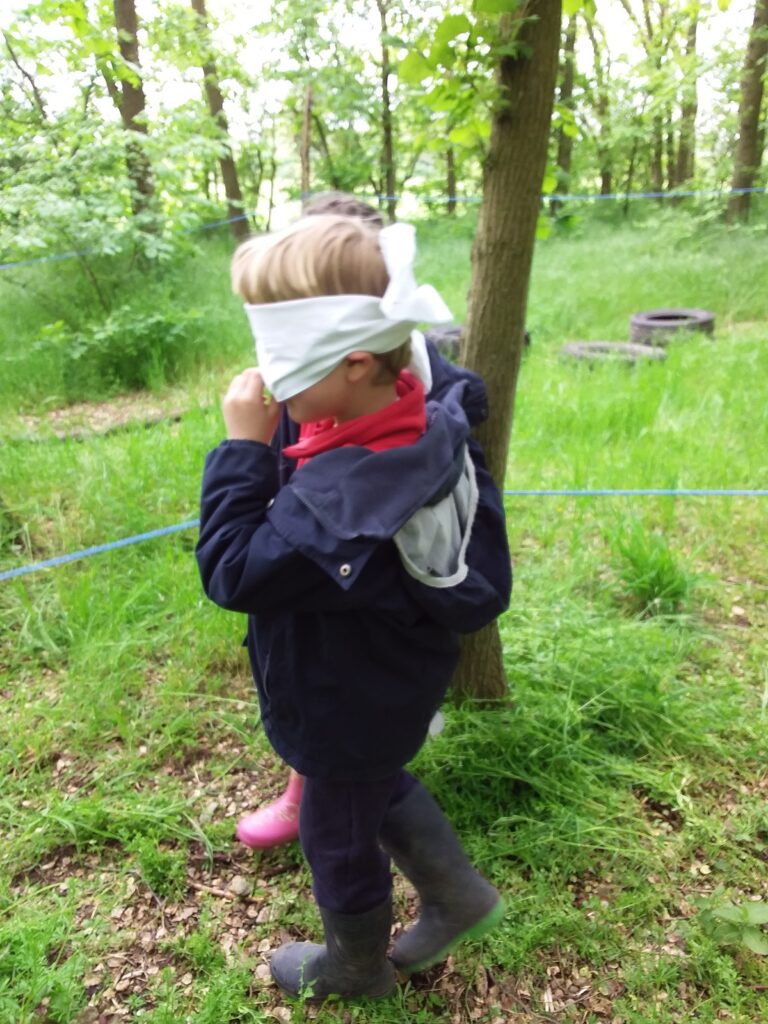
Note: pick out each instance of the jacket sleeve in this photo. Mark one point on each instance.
(245, 565)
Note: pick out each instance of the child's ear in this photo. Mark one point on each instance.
(359, 365)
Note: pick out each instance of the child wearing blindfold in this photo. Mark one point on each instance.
(361, 538)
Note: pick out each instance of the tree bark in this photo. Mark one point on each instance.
(305, 143)
(131, 104)
(748, 156)
(501, 265)
(388, 146)
(450, 180)
(237, 220)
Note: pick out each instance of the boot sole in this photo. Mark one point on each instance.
(477, 931)
(306, 995)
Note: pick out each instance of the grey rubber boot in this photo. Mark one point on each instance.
(353, 961)
(457, 903)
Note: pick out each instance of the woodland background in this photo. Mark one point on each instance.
(617, 792)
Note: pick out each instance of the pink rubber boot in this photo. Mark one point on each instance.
(277, 823)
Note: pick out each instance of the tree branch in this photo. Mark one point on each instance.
(39, 103)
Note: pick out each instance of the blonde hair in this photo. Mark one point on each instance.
(323, 254)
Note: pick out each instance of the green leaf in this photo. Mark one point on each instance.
(415, 68)
(389, 40)
(756, 940)
(464, 135)
(450, 27)
(723, 4)
(729, 912)
(447, 31)
(496, 6)
(549, 184)
(571, 7)
(757, 913)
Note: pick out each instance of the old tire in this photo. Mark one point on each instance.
(612, 352)
(657, 326)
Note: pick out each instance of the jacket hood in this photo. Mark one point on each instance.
(355, 493)
(445, 375)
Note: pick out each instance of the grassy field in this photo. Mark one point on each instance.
(618, 797)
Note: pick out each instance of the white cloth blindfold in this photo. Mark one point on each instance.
(300, 342)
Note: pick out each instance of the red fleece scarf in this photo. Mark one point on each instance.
(398, 424)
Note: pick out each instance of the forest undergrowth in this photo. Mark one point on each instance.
(617, 796)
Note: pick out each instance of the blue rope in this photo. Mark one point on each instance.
(640, 492)
(560, 197)
(98, 549)
(684, 492)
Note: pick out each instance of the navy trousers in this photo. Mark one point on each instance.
(339, 827)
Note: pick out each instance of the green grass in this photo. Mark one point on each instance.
(618, 797)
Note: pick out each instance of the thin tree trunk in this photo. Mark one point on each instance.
(305, 143)
(748, 156)
(630, 173)
(501, 265)
(761, 137)
(271, 200)
(333, 178)
(237, 220)
(657, 155)
(565, 99)
(131, 105)
(388, 147)
(602, 72)
(671, 151)
(450, 180)
(686, 152)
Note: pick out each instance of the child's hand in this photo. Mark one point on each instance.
(248, 413)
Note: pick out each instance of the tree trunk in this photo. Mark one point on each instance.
(305, 143)
(671, 151)
(271, 199)
(686, 152)
(657, 155)
(747, 158)
(501, 265)
(565, 99)
(761, 137)
(333, 178)
(237, 220)
(388, 147)
(131, 104)
(450, 180)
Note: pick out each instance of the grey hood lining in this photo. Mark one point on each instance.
(433, 543)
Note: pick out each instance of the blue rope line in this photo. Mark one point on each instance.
(640, 492)
(98, 549)
(44, 259)
(560, 197)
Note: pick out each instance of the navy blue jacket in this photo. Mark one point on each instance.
(351, 655)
